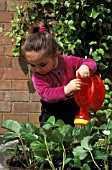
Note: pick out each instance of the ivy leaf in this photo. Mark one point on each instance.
(92, 42)
(45, 1)
(100, 50)
(83, 24)
(94, 14)
(16, 51)
(109, 37)
(95, 55)
(1, 29)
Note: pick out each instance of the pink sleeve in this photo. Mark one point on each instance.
(46, 92)
(81, 61)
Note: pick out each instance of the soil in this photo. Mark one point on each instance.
(17, 162)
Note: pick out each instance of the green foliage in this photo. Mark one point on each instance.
(59, 146)
(81, 25)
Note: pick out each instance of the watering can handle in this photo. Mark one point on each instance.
(91, 87)
(79, 76)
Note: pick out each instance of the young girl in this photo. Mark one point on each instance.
(55, 76)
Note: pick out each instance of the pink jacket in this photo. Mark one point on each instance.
(51, 85)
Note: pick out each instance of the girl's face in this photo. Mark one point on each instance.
(40, 63)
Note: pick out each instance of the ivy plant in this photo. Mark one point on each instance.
(80, 27)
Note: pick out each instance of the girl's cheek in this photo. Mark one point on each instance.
(33, 69)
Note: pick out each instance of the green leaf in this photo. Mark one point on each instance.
(51, 120)
(100, 154)
(86, 167)
(83, 24)
(105, 45)
(45, 1)
(70, 23)
(68, 160)
(92, 42)
(107, 80)
(1, 29)
(100, 50)
(39, 149)
(109, 124)
(85, 143)
(9, 136)
(29, 138)
(110, 137)
(110, 106)
(80, 152)
(94, 14)
(77, 162)
(95, 55)
(59, 123)
(12, 125)
(78, 42)
(16, 51)
(7, 149)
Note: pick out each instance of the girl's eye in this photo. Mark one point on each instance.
(43, 64)
(32, 65)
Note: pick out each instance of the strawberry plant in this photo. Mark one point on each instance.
(58, 146)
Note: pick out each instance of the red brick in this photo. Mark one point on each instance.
(2, 25)
(26, 107)
(20, 63)
(6, 62)
(2, 131)
(34, 118)
(2, 5)
(6, 16)
(17, 117)
(1, 96)
(8, 26)
(8, 50)
(5, 39)
(1, 118)
(19, 85)
(2, 51)
(14, 74)
(16, 96)
(5, 106)
(1, 73)
(34, 97)
(5, 84)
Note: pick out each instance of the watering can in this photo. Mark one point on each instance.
(90, 97)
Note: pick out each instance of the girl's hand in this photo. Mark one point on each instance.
(73, 86)
(83, 71)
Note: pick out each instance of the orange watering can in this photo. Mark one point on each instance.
(90, 97)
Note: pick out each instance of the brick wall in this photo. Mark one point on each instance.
(18, 99)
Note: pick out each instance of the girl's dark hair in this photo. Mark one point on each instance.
(41, 41)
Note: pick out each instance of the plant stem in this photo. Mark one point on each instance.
(24, 151)
(106, 162)
(64, 156)
(94, 160)
(49, 156)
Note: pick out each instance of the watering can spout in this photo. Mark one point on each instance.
(82, 118)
